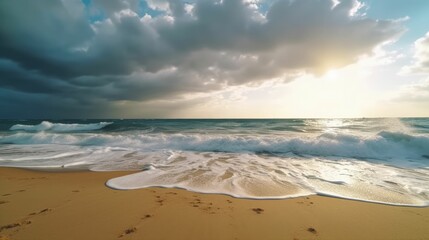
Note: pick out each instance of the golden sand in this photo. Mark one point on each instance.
(77, 205)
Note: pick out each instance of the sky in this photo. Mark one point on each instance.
(214, 58)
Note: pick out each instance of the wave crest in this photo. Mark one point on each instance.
(59, 127)
(382, 146)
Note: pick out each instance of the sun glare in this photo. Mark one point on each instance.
(331, 75)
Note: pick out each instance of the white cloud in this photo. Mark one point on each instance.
(421, 57)
(162, 5)
(417, 92)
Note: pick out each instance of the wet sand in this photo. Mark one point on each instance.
(78, 205)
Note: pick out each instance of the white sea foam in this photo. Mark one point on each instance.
(382, 146)
(269, 177)
(59, 127)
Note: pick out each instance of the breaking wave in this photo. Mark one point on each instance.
(59, 127)
(384, 145)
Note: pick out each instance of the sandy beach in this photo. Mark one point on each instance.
(78, 205)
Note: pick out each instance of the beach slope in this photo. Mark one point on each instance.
(78, 205)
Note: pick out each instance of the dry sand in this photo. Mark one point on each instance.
(77, 205)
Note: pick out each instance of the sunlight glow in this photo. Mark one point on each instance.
(331, 75)
(331, 125)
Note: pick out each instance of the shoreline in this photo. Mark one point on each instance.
(127, 172)
(38, 204)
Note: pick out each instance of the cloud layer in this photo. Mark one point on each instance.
(72, 59)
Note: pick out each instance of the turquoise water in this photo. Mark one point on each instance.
(376, 160)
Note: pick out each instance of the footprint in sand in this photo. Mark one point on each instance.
(258, 210)
(128, 231)
(3, 202)
(40, 212)
(15, 225)
(312, 230)
(45, 210)
(196, 202)
(160, 202)
(209, 210)
(308, 204)
(9, 226)
(146, 216)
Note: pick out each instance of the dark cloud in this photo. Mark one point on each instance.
(41, 35)
(89, 58)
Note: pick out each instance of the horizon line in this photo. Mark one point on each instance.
(262, 118)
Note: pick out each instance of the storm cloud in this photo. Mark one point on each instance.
(71, 58)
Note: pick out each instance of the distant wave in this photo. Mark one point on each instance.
(384, 145)
(59, 127)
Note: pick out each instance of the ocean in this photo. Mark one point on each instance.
(383, 160)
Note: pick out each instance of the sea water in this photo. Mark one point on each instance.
(376, 160)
